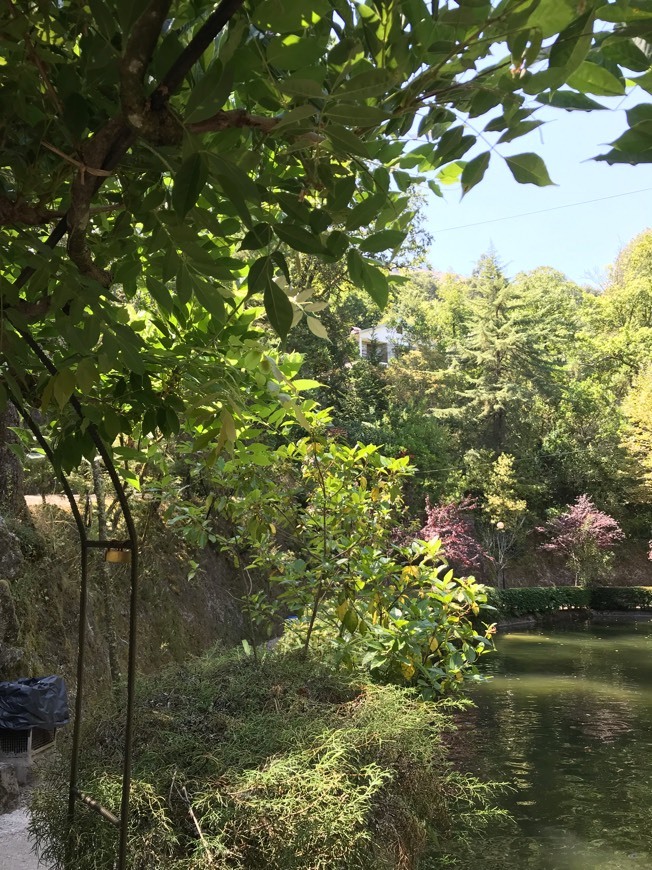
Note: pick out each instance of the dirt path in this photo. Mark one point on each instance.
(15, 847)
(59, 501)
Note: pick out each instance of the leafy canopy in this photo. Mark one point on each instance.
(163, 162)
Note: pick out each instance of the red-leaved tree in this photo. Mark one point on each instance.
(452, 524)
(584, 536)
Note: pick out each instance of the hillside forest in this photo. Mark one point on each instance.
(203, 208)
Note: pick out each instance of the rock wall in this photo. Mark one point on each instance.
(39, 601)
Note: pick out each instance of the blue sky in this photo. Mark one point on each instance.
(580, 241)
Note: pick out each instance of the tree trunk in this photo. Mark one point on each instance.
(107, 579)
(12, 496)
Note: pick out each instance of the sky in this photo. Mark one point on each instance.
(580, 241)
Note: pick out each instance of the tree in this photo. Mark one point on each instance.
(585, 536)
(181, 150)
(638, 432)
(504, 358)
(506, 513)
(451, 524)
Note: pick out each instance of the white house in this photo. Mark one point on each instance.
(382, 339)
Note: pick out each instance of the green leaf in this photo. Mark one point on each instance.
(529, 169)
(63, 386)
(86, 376)
(521, 129)
(570, 47)
(589, 78)
(371, 83)
(316, 327)
(364, 212)
(626, 53)
(184, 284)
(161, 294)
(376, 284)
(278, 308)
(292, 52)
(345, 141)
(210, 298)
(260, 275)
(569, 100)
(299, 238)
(355, 265)
(189, 183)
(209, 94)
(130, 478)
(259, 236)
(298, 87)
(382, 241)
(356, 114)
(474, 171)
(284, 16)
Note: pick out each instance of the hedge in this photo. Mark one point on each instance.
(536, 600)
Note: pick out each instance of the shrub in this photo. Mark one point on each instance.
(549, 599)
(622, 598)
(279, 766)
(452, 525)
(538, 599)
(584, 536)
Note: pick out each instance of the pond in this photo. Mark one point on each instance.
(567, 721)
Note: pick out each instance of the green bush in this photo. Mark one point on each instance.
(282, 765)
(538, 599)
(622, 598)
(549, 599)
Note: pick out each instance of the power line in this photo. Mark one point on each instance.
(512, 217)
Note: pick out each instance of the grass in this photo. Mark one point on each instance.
(283, 765)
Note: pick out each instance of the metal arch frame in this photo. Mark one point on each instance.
(75, 794)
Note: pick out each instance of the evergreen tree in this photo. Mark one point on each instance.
(504, 358)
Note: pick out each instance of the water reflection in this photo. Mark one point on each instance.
(567, 720)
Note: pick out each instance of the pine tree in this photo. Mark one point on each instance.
(507, 358)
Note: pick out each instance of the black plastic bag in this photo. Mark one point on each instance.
(34, 702)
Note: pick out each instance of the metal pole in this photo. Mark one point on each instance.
(133, 604)
(83, 600)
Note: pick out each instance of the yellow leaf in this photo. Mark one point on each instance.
(363, 483)
(410, 571)
(408, 671)
(475, 609)
(341, 609)
(434, 644)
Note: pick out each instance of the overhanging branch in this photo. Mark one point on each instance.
(215, 23)
(137, 55)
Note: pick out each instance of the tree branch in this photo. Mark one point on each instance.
(173, 78)
(225, 120)
(109, 145)
(136, 58)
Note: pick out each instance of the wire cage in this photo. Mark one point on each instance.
(25, 743)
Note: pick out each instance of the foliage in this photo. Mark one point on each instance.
(315, 518)
(538, 599)
(189, 153)
(502, 503)
(451, 524)
(279, 765)
(637, 436)
(549, 599)
(503, 529)
(584, 535)
(621, 598)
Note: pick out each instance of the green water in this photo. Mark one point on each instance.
(567, 721)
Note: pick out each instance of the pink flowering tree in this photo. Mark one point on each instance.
(452, 524)
(585, 537)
